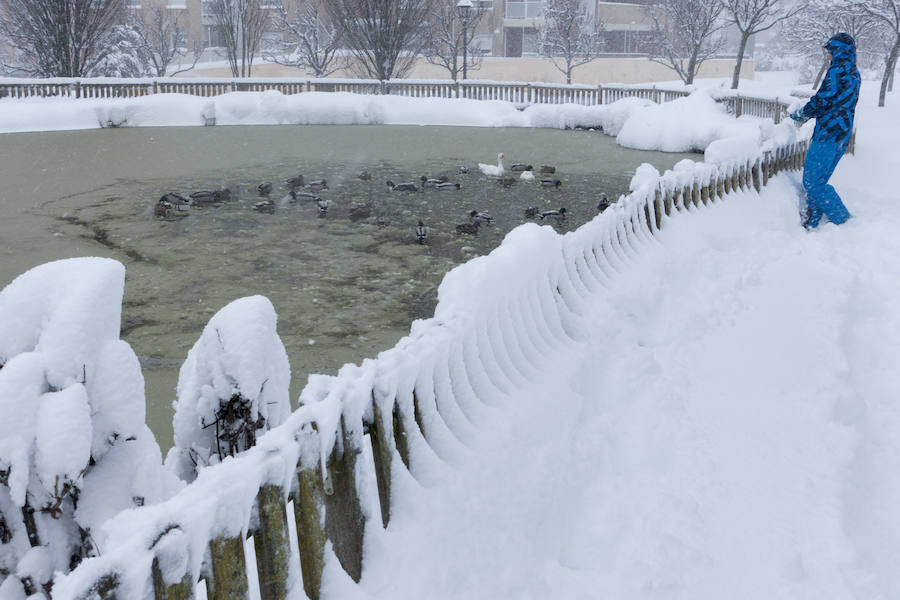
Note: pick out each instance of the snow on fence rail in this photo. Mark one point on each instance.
(519, 93)
(418, 402)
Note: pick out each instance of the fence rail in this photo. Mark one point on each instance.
(415, 401)
(522, 94)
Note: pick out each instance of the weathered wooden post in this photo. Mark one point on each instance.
(229, 580)
(695, 193)
(344, 522)
(757, 181)
(382, 454)
(720, 186)
(704, 192)
(168, 547)
(309, 514)
(182, 590)
(657, 208)
(271, 541)
(727, 181)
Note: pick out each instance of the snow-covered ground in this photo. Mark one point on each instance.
(726, 428)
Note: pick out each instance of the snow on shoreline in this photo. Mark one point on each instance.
(683, 125)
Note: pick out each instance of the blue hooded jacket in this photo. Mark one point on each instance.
(834, 104)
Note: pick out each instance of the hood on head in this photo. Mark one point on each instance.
(841, 44)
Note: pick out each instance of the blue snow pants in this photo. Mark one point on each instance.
(821, 198)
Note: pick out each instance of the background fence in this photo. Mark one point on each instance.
(521, 94)
(413, 405)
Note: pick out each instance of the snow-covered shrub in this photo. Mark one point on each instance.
(233, 386)
(128, 55)
(74, 449)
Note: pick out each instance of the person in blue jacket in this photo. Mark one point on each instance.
(833, 107)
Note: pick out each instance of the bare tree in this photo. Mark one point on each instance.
(384, 35)
(446, 42)
(687, 34)
(159, 36)
(887, 14)
(755, 16)
(807, 32)
(242, 23)
(59, 38)
(570, 35)
(308, 41)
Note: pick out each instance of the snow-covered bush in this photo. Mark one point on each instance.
(233, 386)
(74, 449)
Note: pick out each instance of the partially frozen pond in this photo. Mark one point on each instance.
(345, 286)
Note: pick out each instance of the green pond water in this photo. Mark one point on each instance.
(344, 288)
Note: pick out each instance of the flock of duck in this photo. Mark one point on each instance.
(174, 204)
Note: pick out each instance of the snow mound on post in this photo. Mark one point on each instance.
(71, 395)
(239, 360)
(687, 124)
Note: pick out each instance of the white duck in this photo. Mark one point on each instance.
(495, 170)
(527, 176)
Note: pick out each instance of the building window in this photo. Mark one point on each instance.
(483, 44)
(523, 9)
(213, 36)
(207, 8)
(521, 41)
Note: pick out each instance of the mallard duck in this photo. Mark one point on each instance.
(481, 217)
(470, 228)
(559, 213)
(364, 175)
(447, 185)
(430, 182)
(402, 187)
(202, 197)
(360, 210)
(463, 170)
(603, 204)
(506, 181)
(295, 182)
(322, 205)
(548, 170)
(265, 188)
(531, 212)
(171, 204)
(421, 232)
(493, 170)
(304, 195)
(318, 185)
(547, 182)
(265, 206)
(521, 167)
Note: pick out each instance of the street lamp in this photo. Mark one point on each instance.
(462, 9)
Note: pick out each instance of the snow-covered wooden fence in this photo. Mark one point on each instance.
(392, 416)
(519, 93)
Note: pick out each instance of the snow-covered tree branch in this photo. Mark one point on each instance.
(688, 32)
(59, 38)
(887, 14)
(242, 23)
(446, 40)
(308, 41)
(385, 36)
(570, 36)
(755, 16)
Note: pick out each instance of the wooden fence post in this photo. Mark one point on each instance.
(754, 171)
(309, 514)
(271, 541)
(183, 590)
(382, 454)
(229, 581)
(344, 522)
